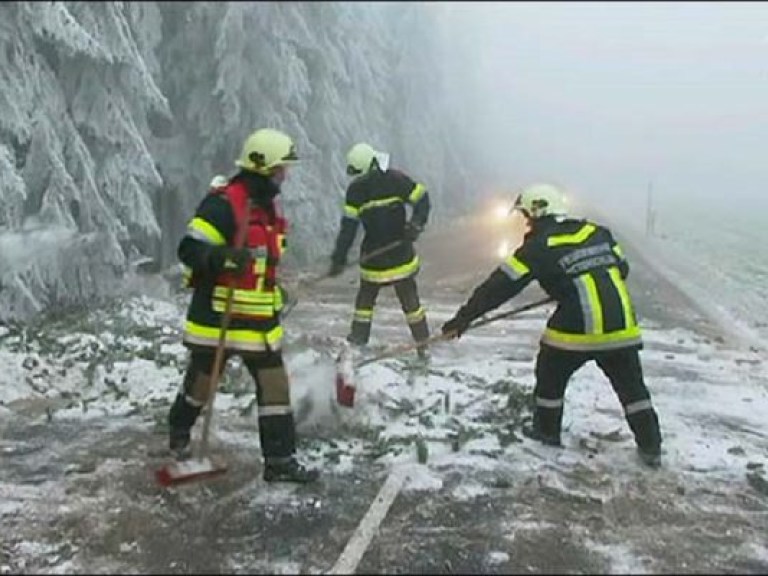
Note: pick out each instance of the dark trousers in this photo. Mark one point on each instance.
(276, 425)
(554, 368)
(407, 292)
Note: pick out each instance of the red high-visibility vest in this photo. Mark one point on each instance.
(256, 295)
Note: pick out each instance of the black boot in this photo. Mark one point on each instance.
(179, 443)
(645, 427)
(532, 432)
(651, 458)
(288, 470)
(356, 341)
(181, 419)
(359, 333)
(420, 333)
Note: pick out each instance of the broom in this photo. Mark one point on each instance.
(204, 466)
(345, 367)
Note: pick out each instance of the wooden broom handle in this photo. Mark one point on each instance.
(226, 317)
(441, 337)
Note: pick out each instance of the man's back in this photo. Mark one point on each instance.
(379, 199)
(580, 264)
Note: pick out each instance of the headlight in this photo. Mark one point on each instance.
(503, 249)
(501, 212)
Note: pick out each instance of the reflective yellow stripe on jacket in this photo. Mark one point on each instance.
(250, 302)
(589, 342)
(390, 274)
(594, 336)
(515, 268)
(417, 193)
(576, 238)
(379, 203)
(200, 229)
(351, 211)
(236, 339)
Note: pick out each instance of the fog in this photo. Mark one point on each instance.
(606, 98)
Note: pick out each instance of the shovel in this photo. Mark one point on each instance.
(346, 366)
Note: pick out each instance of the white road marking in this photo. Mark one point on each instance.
(369, 525)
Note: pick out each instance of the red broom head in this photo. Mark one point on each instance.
(188, 471)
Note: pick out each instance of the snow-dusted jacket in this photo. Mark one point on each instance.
(378, 200)
(580, 265)
(257, 299)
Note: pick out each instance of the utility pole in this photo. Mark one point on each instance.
(650, 214)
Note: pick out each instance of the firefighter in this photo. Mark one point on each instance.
(211, 252)
(377, 197)
(580, 265)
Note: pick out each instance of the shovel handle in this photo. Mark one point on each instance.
(218, 361)
(397, 350)
(217, 366)
(450, 335)
(378, 252)
(510, 313)
(364, 258)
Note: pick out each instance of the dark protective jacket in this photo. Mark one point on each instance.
(255, 324)
(580, 265)
(378, 200)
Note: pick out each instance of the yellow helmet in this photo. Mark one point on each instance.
(359, 158)
(538, 200)
(265, 150)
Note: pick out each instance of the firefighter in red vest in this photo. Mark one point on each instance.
(211, 253)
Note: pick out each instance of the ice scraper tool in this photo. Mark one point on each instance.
(346, 365)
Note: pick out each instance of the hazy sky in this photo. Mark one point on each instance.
(605, 96)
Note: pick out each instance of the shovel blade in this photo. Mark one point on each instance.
(345, 385)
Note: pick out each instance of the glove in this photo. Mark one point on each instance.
(456, 325)
(335, 269)
(412, 231)
(230, 260)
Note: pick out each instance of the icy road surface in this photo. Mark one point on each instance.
(83, 419)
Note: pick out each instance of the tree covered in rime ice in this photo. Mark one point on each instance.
(114, 117)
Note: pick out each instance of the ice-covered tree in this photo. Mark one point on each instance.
(115, 116)
(76, 93)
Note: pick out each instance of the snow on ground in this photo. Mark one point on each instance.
(84, 405)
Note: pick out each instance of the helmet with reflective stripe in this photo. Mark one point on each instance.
(265, 150)
(538, 200)
(359, 158)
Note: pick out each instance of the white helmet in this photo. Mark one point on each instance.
(265, 150)
(538, 200)
(359, 158)
(218, 181)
